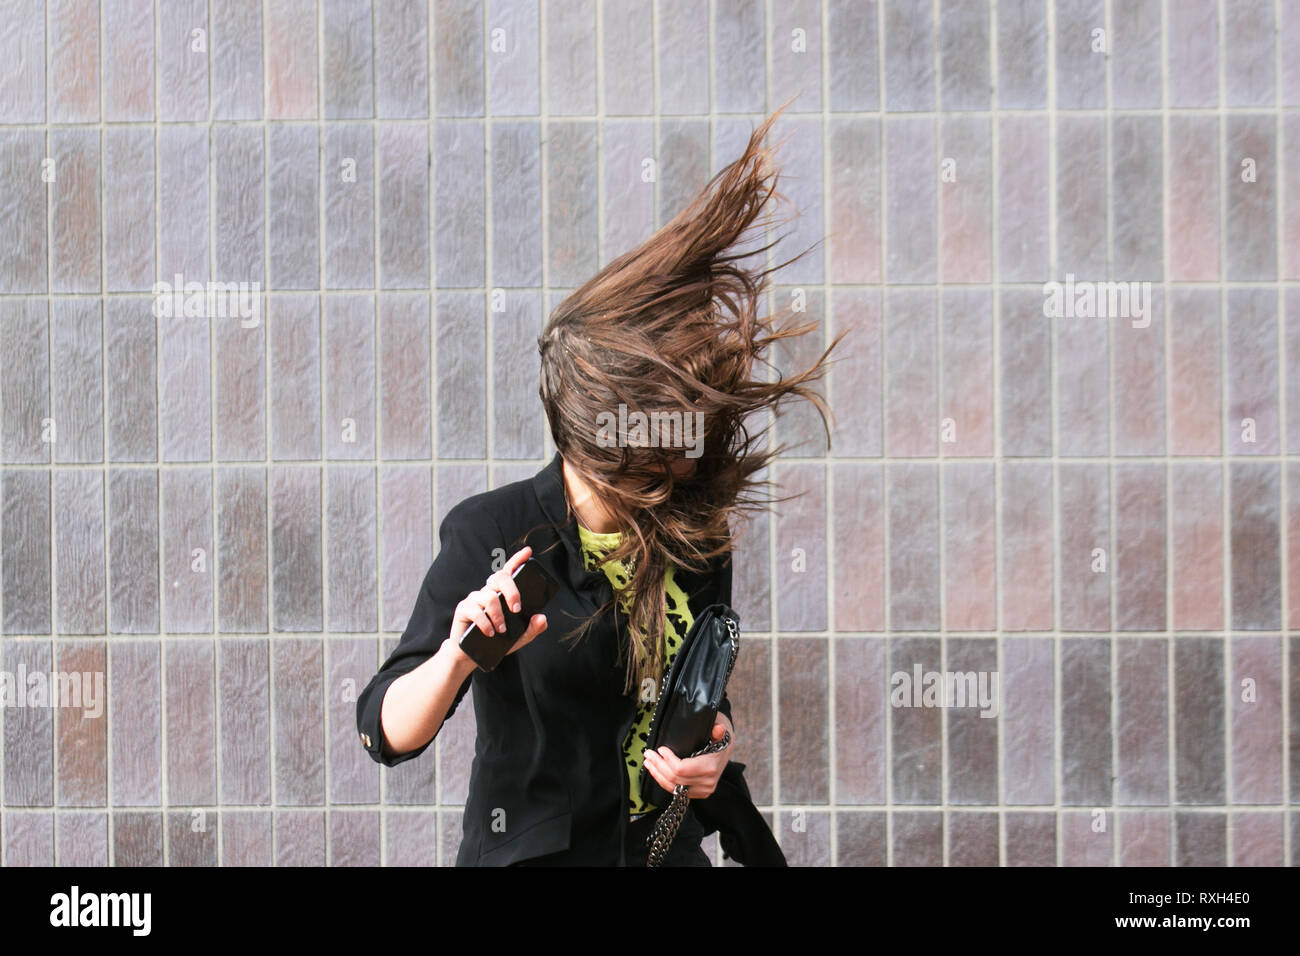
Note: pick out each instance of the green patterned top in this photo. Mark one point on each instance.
(595, 546)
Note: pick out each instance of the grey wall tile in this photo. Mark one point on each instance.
(572, 210)
(348, 79)
(129, 56)
(135, 723)
(972, 725)
(293, 172)
(137, 838)
(236, 59)
(406, 544)
(909, 56)
(853, 54)
(183, 70)
(1080, 65)
(627, 59)
(402, 71)
(1028, 721)
(739, 55)
(83, 839)
(77, 379)
(298, 745)
(570, 55)
(294, 330)
(804, 739)
(964, 54)
(239, 164)
(459, 204)
(183, 224)
(1135, 34)
(403, 207)
(132, 550)
(1086, 769)
(25, 389)
(916, 734)
(79, 552)
(1251, 157)
(353, 776)
(513, 58)
(1198, 723)
(515, 155)
(241, 549)
(457, 48)
(348, 376)
(22, 214)
(518, 418)
(1193, 61)
(911, 201)
(244, 714)
(75, 228)
(350, 531)
(796, 64)
(461, 376)
(295, 499)
(1248, 54)
(1254, 509)
(191, 744)
(913, 494)
(184, 386)
(1022, 54)
(405, 376)
(349, 182)
(72, 59)
(128, 209)
(1137, 198)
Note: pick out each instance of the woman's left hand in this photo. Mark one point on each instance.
(699, 773)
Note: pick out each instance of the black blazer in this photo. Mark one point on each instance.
(548, 775)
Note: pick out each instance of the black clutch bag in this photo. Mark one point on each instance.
(687, 709)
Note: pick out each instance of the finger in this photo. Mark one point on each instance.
(535, 627)
(491, 604)
(670, 759)
(516, 559)
(693, 771)
(504, 582)
(719, 731)
(656, 768)
(506, 587)
(473, 613)
(669, 772)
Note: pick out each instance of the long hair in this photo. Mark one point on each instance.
(664, 338)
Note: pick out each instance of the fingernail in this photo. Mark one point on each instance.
(517, 607)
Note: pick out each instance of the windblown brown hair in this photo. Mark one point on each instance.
(674, 325)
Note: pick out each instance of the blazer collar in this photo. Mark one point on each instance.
(549, 487)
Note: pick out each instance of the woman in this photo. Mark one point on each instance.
(649, 386)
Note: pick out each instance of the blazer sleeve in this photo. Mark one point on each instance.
(464, 561)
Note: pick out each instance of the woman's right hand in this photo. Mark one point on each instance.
(482, 607)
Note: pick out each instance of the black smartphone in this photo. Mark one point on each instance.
(536, 588)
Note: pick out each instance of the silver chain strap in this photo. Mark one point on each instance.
(666, 827)
(670, 820)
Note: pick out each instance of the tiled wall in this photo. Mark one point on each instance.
(228, 521)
